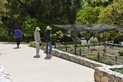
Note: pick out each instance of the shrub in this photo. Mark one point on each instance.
(121, 53)
(28, 26)
(7, 38)
(42, 46)
(57, 36)
(94, 42)
(32, 44)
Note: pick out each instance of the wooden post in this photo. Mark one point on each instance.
(98, 55)
(116, 59)
(66, 46)
(55, 44)
(80, 52)
(75, 38)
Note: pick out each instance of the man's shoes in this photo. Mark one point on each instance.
(48, 57)
(36, 56)
(17, 46)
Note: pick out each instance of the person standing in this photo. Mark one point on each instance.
(37, 41)
(17, 35)
(48, 42)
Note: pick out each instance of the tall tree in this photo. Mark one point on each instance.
(113, 14)
(95, 3)
(45, 11)
(88, 15)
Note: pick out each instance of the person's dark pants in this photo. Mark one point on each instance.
(18, 42)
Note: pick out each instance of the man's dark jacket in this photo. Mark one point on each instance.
(47, 36)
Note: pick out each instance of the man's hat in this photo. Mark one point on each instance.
(48, 28)
(37, 28)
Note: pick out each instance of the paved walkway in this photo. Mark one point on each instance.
(24, 68)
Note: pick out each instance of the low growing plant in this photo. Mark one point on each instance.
(121, 53)
(119, 70)
(101, 61)
(32, 44)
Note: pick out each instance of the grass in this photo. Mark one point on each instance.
(119, 70)
(101, 61)
(60, 47)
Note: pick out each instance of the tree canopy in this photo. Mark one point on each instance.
(113, 14)
(27, 14)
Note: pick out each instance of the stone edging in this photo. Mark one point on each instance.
(77, 59)
(103, 73)
(4, 75)
(106, 74)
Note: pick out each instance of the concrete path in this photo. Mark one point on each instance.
(24, 68)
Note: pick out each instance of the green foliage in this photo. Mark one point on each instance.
(94, 3)
(88, 15)
(115, 35)
(2, 30)
(28, 26)
(112, 14)
(87, 36)
(60, 47)
(101, 61)
(31, 13)
(119, 70)
(27, 13)
(104, 36)
(121, 53)
(7, 38)
(57, 36)
(71, 46)
(94, 42)
(32, 44)
(42, 46)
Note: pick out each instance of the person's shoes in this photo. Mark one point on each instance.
(48, 57)
(17, 46)
(36, 56)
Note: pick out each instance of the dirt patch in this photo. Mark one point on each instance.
(111, 54)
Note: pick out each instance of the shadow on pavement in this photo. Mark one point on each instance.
(16, 48)
(13, 43)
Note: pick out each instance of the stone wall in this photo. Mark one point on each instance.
(103, 73)
(77, 59)
(106, 74)
(4, 75)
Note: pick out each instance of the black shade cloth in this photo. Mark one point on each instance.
(88, 28)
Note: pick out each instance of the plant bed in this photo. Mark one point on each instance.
(110, 55)
(91, 57)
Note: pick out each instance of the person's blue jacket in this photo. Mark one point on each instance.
(17, 33)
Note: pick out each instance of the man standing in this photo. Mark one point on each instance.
(17, 35)
(48, 42)
(37, 41)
